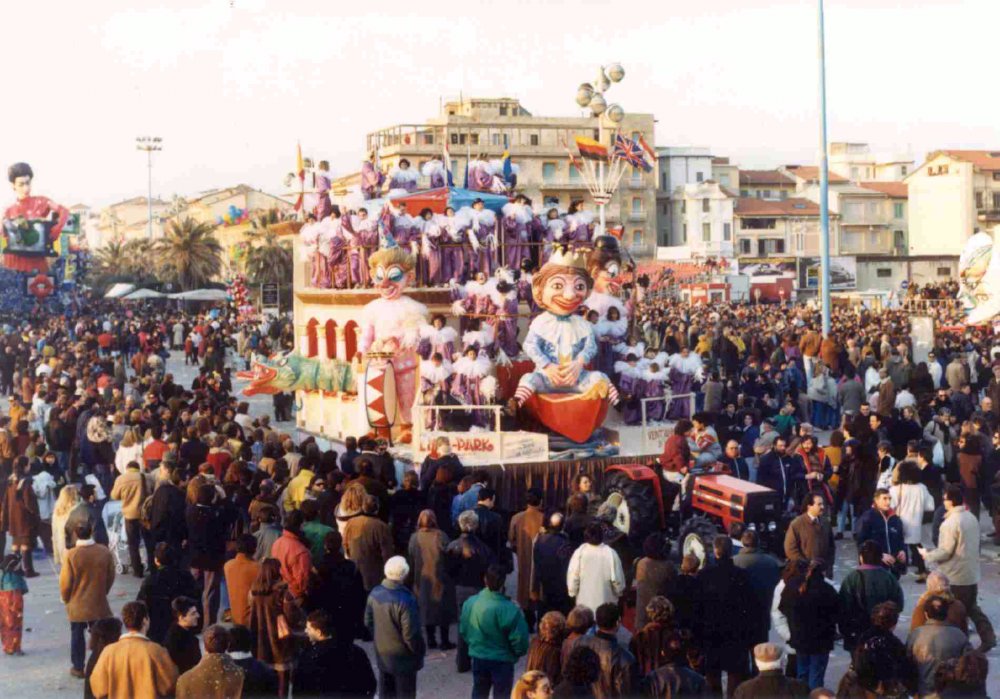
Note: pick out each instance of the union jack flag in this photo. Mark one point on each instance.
(631, 152)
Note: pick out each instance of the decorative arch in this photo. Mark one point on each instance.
(350, 340)
(331, 339)
(312, 340)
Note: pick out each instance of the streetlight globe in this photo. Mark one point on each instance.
(602, 83)
(584, 93)
(615, 114)
(598, 105)
(615, 72)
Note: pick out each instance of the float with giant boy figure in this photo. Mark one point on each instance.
(30, 225)
(561, 393)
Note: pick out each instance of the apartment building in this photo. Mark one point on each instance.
(856, 162)
(702, 223)
(778, 228)
(765, 184)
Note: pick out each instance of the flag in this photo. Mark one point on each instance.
(631, 152)
(300, 172)
(646, 147)
(507, 170)
(447, 162)
(590, 149)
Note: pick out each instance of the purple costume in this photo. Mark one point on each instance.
(609, 334)
(580, 229)
(452, 257)
(434, 387)
(317, 248)
(371, 180)
(352, 242)
(403, 179)
(473, 385)
(339, 255)
(434, 171)
(555, 235)
(323, 206)
(654, 387)
(434, 340)
(679, 383)
(629, 387)
(484, 226)
(517, 234)
(505, 322)
(430, 248)
(367, 238)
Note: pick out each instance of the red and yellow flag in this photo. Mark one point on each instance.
(590, 149)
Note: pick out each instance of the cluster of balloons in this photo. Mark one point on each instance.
(240, 295)
(233, 216)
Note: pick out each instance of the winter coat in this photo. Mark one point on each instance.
(265, 609)
(19, 515)
(368, 542)
(863, 589)
(958, 616)
(910, 501)
(85, 582)
(551, 553)
(183, 646)
(806, 540)
(393, 618)
(812, 615)
(957, 552)
(132, 668)
(168, 514)
(468, 559)
(217, 676)
(932, 644)
(295, 561)
(337, 588)
(494, 628)
(618, 676)
(772, 684)
(652, 578)
(595, 575)
(764, 572)
(334, 669)
(161, 587)
(207, 528)
(888, 531)
(433, 586)
(524, 527)
(785, 474)
(726, 615)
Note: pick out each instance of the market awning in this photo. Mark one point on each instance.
(140, 294)
(119, 290)
(202, 295)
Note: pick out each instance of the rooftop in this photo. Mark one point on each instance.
(810, 173)
(982, 159)
(896, 190)
(759, 177)
(792, 206)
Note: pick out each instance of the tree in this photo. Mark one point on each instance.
(189, 254)
(123, 261)
(270, 261)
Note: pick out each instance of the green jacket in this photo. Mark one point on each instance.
(315, 532)
(862, 589)
(494, 627)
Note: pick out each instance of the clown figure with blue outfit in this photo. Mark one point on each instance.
(559, 341)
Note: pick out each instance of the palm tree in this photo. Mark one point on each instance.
(189, 254)
(270, 261)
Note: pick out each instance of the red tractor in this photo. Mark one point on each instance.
(721, 504)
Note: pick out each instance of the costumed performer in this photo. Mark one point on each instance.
(366, 230)
(484, 227)
(630, 388)
(316, 249)
(475, 300)
(431, 236)
(474, 385)
(26, 220)
(438, 338)
(555, 230)
(371, 178)
(390, 325)
(560, 342)
(402, 177)
(505, 308)
(452, 258)
(579, 225)
(517, 229)
(323, 181)
(434, 171)
(611, 333)
(435, 379)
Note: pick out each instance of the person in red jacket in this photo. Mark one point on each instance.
(675, 462)
(292, 553)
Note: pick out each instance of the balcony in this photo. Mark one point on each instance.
(636, 216)
(632, 183)
(549, 185)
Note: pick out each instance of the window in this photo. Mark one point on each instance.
(760, 194)
(636, 205)
(897, 210)
(637, 238)
(724, 180)
(454, 167)
(503, 110)
(454, 139)
(706, 205)
(533, 139)
(574, 173)
(548, 172)
(744, 246)
(699, 176)
(996, 200)
(854, 174)
(770, 246)
(784, 194)
(684, 206)
(944, 271)
(883, 272)
(727, 231)
(664, 208)
(475, 139)
(706, 232)
(996, 176)
(494, 139)
(760, 224)
(550, 202)
(744, 193)
(767, 193)
(684, 233)
(663, 180)
(903, 170)
(428, 139)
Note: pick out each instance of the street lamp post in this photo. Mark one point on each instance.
(824, 184)
(592, 96)
(149, 144)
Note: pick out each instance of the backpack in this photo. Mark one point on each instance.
(146, 508)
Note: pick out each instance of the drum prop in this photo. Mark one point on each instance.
(381, 405)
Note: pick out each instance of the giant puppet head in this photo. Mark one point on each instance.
(562, 284)
(391, 269)
(20, 176)
(979, 271)
(605, 266)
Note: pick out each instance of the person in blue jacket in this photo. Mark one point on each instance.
(881, 525)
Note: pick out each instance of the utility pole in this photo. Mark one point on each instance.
(149, 144)
(824, 184)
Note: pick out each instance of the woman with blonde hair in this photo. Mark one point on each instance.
(69, 498)
(350, 505)
(534, 684)
(130, 449)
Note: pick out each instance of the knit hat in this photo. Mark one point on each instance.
(396, 569)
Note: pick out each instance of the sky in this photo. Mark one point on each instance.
(232, 85)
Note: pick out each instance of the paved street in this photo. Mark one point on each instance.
(44, 669)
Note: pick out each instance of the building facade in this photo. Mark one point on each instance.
(676, 166)
(856, 162)
(480, 128)
(702, 223)
(952, 194)
(765, 184)
(783, 228)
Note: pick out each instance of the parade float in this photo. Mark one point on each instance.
(469, 313)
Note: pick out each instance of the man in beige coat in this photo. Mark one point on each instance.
(132, 488)
(134, 667)
(957, 556)
(84, 583)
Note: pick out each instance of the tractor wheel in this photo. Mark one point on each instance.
(639, 513)
(696, 538)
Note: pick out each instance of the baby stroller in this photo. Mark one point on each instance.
(118, 543)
